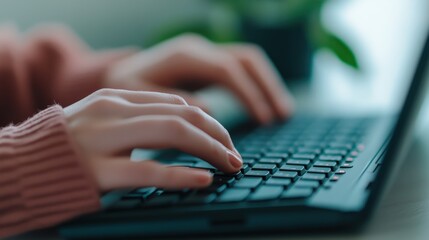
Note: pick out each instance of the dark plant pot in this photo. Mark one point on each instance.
(288, 47)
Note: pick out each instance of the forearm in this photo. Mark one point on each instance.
(49, 65)
(42, 181)
(62, 68)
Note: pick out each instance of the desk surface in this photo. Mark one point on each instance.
(403, 214)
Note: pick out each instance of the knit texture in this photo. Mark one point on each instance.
(41, 178)
(42, 182)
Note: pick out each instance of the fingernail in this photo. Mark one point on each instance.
(234, 160)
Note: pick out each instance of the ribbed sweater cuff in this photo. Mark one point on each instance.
(42, 181)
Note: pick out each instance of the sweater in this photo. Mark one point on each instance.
(42, 178)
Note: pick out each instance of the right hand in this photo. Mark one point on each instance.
(108, 124)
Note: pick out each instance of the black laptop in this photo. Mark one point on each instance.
(306, 173)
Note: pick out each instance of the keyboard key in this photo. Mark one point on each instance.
(126, 204)
(219, 180)
(346, 165)
(325, 164)
(252, 149)
(245, 168)
(182, 164)
(199, 198)
(189, 158)
(328, 185)
(145, 192)
(331, 151)
(258, 173)
(276, 155)
(162, 200)
(266, 193)
(304, 156)
(234, 195)
(314, 176)
(177, 192)
(341, 145)
(277, 161)
(319, 170)
(298, 162)
(297, 168)
(286, 174)
(248, 182)
(263, 166)
(309, 150)
(306, 184)
(204, 165)
(340, 171)
(335, 178)
(236, 175)
(297, 193)
(354, 153)
(250, 155)
(279, 181)
(336, 158)
(360, 147)
(248, 161)
(214, 189)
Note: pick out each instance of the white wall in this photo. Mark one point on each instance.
(103, 23)
(384, 33)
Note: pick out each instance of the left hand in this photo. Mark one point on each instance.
(189, 62)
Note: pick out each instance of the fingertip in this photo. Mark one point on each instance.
(284, 108)
(284, 113)
(234, 160)
(203, 178)
(263, 115)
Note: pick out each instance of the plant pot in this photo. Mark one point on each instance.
(288, 47)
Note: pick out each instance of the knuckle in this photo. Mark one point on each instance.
(176, 99)
(216, 149)
(186, 44)
(195, 114)
(254, 49)
(177, 126)
(101, 102)
(225, 134)
(191, 38)
(225, 65)
(104, 92)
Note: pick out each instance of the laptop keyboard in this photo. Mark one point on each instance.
(285, 161)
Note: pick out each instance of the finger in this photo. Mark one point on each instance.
(193, 115)
(160, 132)
(235, 78)
(257, 64)
(200, 59)
(142, 96)
(124, 173)
(191, 100)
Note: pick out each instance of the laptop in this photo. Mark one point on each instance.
(305, 173)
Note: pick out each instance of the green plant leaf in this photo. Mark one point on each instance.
(273, 12)
(341, 50)
(322, 38)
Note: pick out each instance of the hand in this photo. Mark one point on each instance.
(189, 62)
(108, 124)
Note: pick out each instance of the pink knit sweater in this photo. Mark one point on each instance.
(42, 181)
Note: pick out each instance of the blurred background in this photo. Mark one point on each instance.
(353, 55)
